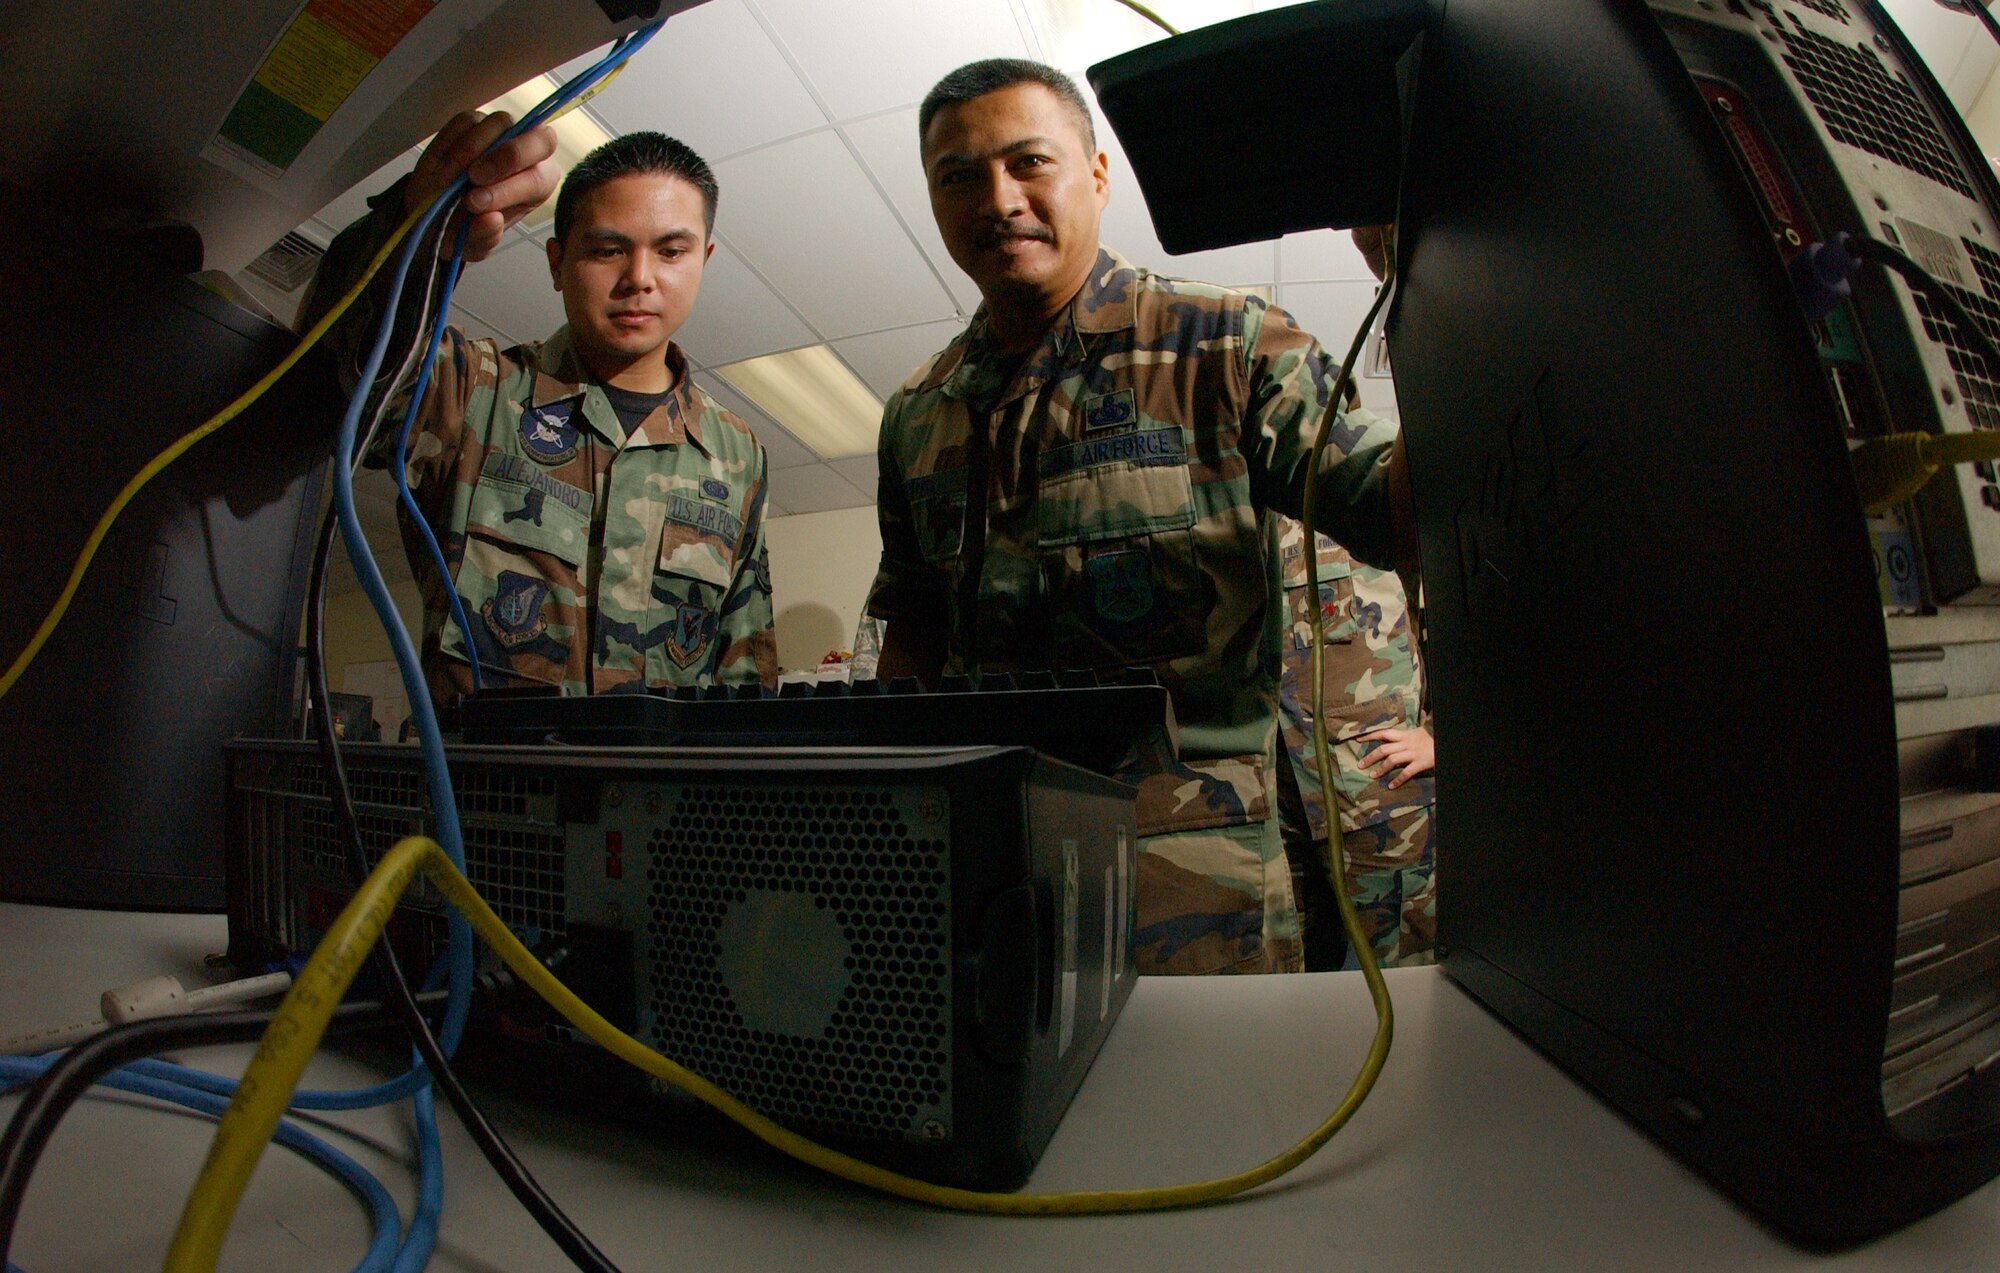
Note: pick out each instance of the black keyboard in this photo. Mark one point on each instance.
(1087, 718)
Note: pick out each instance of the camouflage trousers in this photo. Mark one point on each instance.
(1391, 877)
(1217, 900)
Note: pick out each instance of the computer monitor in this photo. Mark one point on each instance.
(1667, 740)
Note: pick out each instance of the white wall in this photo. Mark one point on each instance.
(821, 566)
(1954, 45)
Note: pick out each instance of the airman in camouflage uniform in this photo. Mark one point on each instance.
(1372, 682)
(1087, 477)
(1135, 459)
(587, 554)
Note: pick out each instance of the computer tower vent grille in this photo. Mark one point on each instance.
(1831, 8)
(1863, 106)
(320, 843)
(520, 874)
(852, 1034)
(1977, 379)
(396, 788)
(513, 853)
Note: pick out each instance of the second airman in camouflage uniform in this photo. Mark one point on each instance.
(1372, 681)
(1087, 477)
(1132, 463)
(597, 538)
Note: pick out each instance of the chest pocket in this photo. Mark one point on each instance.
(1115, 520)
(519, 505)
(699, 543)
(527, 542)
(937, 514)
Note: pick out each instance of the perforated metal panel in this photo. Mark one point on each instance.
(1831, 8)
(851, 1033)
(1864, 106)
(513, 844)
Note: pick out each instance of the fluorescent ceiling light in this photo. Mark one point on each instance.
(1077, 33)
(814, 396)
(577, 134)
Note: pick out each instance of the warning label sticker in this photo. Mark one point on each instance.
(328, 49)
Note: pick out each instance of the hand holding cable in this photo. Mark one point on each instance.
(507, 177)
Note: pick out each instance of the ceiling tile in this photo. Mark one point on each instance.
(713, 79)
(511, 291)
(861, 470)
(884, 360)
(869, 55)
(808, 217)
(816, 488)
(1322, 256)
(784, 450)
(888, 145)
(736, 316)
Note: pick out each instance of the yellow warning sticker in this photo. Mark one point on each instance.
(328, 49)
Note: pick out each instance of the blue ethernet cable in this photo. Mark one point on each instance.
(421, 1237)
(399, 463)
(610, 62)
(458, 947)
(386, 1223)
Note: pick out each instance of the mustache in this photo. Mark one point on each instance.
(997, 233)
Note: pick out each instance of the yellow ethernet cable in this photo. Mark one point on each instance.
(302, 1018)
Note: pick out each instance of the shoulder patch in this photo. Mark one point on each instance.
(514, 615)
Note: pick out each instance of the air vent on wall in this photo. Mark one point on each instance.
(288, 263)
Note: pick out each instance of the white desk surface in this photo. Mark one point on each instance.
(1474, 1153)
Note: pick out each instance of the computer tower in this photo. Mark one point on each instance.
(1668, 731)
(1704, 730)
(184, 630)
(912, 954)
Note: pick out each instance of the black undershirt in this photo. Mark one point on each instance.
(631, 408)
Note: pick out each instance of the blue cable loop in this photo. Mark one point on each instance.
(421, 1238)
(387, 1224)
(458, 946)
(619, 52)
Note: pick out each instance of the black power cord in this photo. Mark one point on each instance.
(50, 1096)
(1863, 248)
(506, 1164)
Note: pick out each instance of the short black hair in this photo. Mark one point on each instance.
(977, 79)
(640, 152)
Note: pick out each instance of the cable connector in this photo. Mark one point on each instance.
(152, 997)
(165, 997)
(1822, 273)
(1890, 469)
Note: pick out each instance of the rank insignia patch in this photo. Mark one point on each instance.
(715, 490)
(688, 635)
(514, 615)
(1111, 411)
(1121, 586)
(548, 433)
